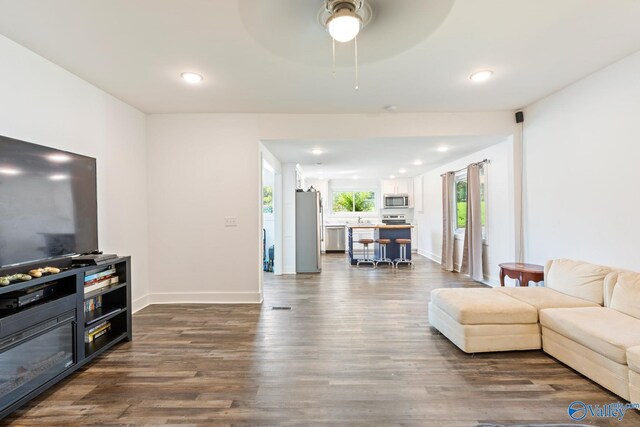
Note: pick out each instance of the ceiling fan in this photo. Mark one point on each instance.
(344, 19)
(301, 31)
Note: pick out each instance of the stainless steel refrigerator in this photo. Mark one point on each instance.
(308, 231)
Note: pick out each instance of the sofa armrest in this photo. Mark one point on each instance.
(547, 267)
(610, 281)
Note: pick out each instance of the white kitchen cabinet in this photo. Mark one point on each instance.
(388, 186)
(405, 186)
(398, 186)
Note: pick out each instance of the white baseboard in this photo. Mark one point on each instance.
(488, 280)
(433, 257)
(196, 298)
(140, 303)
(491, 281)
(206, 298)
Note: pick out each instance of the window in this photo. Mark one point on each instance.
(267, 199)
(461, 201)
(354, 201)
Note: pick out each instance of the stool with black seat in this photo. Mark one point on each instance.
(366, 259)
(403, 253)
(383, 252)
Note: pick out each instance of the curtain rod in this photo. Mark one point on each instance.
(460, 170)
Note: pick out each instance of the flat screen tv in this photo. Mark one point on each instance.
(48, 203)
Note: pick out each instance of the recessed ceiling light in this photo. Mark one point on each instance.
(402, 171)
(481, 76)
(9, 171)
(316, 151)
(417, 162)
(58, 158)
(355, 176)
(58, 177)
(442, 148)
(392, 177)
(192, 78)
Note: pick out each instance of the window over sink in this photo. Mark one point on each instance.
(353, 201)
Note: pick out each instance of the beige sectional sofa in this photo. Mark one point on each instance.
(586, 316)
(633, 359)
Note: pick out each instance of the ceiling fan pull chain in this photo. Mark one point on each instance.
(333, 67)
(356, 50)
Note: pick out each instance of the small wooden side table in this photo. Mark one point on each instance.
(521, 272)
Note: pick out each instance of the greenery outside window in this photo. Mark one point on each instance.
(267, 199)
(353, 201)
(461, 201)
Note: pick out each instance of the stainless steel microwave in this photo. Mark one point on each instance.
(396, 201)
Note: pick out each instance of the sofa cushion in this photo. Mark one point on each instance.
(542, 298)
(578, 279)
(485, 338)
(633, 359)
(626, 294)
(479, 306)
(603, 330)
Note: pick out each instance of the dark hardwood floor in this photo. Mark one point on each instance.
(355, 349)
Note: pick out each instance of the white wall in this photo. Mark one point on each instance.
(500, 209)
(289, 185)
(582, 149)
(44, 104)
(203, 167)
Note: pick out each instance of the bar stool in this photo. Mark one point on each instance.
(366, 259)
(403, 253)
(383, 252)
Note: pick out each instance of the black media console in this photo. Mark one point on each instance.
(45, 341)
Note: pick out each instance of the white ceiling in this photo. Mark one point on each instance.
(376, 158)
(273, 56)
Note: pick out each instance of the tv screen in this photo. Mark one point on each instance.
(48, 204)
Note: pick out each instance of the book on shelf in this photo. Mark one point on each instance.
(97, 331)
(93, 275)
(103, 282)
(91, 304)
(99, 334)
(94, 328)
(99, 279)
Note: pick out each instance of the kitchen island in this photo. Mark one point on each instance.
(380, 231)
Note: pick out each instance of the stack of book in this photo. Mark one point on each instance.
(91, 304)
(98, 279)
(96, 331)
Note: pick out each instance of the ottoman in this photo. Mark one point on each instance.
(483, 320)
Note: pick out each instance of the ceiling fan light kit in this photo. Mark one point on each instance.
(344, 24)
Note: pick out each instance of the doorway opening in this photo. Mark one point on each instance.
(268, 217)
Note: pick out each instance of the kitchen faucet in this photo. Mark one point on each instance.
(359, 220)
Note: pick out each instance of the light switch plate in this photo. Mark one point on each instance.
(230, 221)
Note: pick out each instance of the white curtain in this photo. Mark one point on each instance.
(448, 219)
(472, 253)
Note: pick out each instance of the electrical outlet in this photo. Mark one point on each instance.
(230, 221)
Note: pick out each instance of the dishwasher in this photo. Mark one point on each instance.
(334, 240)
